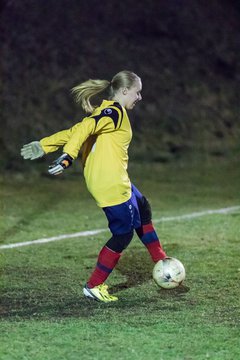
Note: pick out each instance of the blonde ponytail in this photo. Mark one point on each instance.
(86, 90)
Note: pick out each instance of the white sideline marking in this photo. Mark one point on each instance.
(54, 238)
(98, 231)
(199, 214)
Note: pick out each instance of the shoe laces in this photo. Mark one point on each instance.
(103, 288)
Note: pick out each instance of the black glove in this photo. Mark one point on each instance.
(62, 163)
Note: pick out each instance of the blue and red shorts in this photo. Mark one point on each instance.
(124, 217)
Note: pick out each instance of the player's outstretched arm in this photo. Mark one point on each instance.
(32, 151)
(59, 165)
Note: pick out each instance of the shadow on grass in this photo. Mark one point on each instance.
(81, 307)
(47, 293)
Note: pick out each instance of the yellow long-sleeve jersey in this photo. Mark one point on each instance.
(104, 137)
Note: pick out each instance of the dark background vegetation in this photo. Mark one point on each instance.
(186, 52)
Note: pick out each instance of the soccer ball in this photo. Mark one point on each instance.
(169, 273)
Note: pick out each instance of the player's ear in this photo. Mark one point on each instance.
(124, 91)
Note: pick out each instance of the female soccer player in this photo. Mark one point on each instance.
(104, 136)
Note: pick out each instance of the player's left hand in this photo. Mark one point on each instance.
(59, 165)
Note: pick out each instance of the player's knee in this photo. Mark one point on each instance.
(118, 243)
(144, 210)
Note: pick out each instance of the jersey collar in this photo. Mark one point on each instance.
(107, 103)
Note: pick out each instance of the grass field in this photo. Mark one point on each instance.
(44, 315)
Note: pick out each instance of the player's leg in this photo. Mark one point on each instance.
(146, 231)
(108, 258)
(121, 225)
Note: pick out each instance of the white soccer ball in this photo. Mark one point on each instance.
(169, 273)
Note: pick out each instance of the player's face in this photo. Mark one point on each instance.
(133, 95)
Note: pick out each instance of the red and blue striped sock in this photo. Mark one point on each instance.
(149, 238)
(107, 260)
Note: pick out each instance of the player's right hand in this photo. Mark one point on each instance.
(62, 163)
(32, 151)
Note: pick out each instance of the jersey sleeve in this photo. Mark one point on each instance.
(108, 120)
(54, 142)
